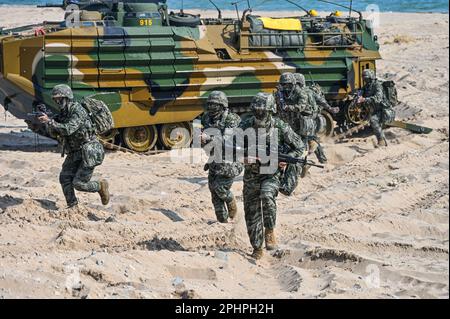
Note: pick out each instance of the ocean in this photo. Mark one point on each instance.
(281, 5)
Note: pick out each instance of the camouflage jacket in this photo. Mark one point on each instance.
(289, 142)
(74, 128)
(303, 102)
(307, 102)
(228, 121)
(302, 105)
(320, 99)
(374, 95)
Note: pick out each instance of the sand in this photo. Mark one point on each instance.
(373, 224)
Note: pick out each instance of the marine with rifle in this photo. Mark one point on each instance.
(74, 128)
(261, 187)
(373, 97)
(221, 173)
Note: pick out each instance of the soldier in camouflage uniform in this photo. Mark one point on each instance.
(221, 175)
(372, 96)
(322, 104)
(261, 190)
(84, 152)
(287, 99)
(301, 111)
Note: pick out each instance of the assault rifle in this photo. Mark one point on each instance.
(279, 98)
(40, 110)
(284, 158)
(254, 150)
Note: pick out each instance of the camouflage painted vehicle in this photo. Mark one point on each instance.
(155, 69)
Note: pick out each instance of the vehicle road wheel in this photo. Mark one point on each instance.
(357, 114)
(175, 135)
(140, 138)
(328, 125)
(110, 136)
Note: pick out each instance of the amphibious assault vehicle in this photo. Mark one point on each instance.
(155, 68)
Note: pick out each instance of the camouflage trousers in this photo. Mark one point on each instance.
(260, 206)
(315, 147)
(221, 195)
(376, 124)
(75, 176)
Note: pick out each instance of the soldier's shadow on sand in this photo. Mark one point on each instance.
(26, 141)
(47, 204)
(173, 216)
(8, 201)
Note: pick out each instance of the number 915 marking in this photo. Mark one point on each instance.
(145, 22)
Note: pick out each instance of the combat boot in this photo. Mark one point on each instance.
(222, 220)
(305, 171)
(320, 154)
(382, 142)
(271, 242)
(104, 192)
(232, 208)
(72, 205)
(257, 253)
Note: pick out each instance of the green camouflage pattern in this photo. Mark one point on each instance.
(158, 74)
(62, 90)
(73, 125)
(76, 176)
(261, 190)
(373, 93)
(289, 179)
(221, 194)
(84, 152)
(221, 175)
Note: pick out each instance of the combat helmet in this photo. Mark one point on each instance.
(300, 79)
(62, 91)
(216, 104)
(368, 75)
(287, 78)
(288, 82)
(264, 102)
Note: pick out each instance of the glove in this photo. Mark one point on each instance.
(334, 110)
(32, 126)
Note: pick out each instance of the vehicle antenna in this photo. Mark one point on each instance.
(217, 8)
(297, 5)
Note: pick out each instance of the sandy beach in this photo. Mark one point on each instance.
(373, 224)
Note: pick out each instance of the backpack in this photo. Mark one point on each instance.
(390, 98)
(99, 114)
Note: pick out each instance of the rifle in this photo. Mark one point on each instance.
(284, 158)
(279, 97)
(40, 110)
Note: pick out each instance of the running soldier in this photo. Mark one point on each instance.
(261, 190)
(373, 97)
(84, 152)
(221, 175)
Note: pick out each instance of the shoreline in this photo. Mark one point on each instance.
(233, 11)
